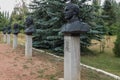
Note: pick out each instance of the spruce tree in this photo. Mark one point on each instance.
(49, 18)
(117, 45)
(109, 11)
(4, 19)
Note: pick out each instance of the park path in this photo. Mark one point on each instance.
(14, 66)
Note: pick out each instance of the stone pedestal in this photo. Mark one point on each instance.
(4, 38)
(28, 46)
(15, 41)
(8, 38)
(71, 57)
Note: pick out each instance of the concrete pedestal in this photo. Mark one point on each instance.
(15, 41)
(4, 38)
(8, 38)
(71, 57)
(28, 46)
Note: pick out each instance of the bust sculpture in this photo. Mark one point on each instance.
(29, 28)
(16, 29)
(74, 25)
(9, 29)
(4, 30)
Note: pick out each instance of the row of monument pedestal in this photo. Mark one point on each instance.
(28, 43)
(71, 53)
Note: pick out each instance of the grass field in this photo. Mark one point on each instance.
(92, 75)
(105, 60)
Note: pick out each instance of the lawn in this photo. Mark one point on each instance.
(92, 75)
(105, 60)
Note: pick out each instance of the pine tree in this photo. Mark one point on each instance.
(49, 18)
(91, 14)
(19, 14)
(109, 12)
(117, 45)
(4, 19)
(48, 15)
(117, 42)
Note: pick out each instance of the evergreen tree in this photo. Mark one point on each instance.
(48, 16)
(117, 45)
(117, 42)
(4, 19)
(109, 11)
(91, 14)
(19, 13)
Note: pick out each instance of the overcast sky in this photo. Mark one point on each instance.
(8, 5)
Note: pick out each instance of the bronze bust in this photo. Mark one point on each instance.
(16, 29)
(9, 29)
(74, 25)
(4, 30)
(29, 26)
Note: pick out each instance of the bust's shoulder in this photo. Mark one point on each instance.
(32, 25)
(76, 23)
(76, 26)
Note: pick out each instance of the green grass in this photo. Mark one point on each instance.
(92, 75)
(103, 61)
(106, 61)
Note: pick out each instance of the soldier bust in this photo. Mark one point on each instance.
(4, 30)
(9, 29)
(16, 29)
(29, 29)
(74, 25)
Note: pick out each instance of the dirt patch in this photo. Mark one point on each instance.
(14, 66)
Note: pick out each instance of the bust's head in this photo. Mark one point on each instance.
(16, 29)
(8, 29)
(4, 30)
(71, 10)
(29, 26)
(16, 26)
(29, 21)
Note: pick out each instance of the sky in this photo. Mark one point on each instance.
(8, 5)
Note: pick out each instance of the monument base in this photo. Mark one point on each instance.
(28, 46)
(14, 41)
(5, 38)
(71, 57)
(8, 38)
